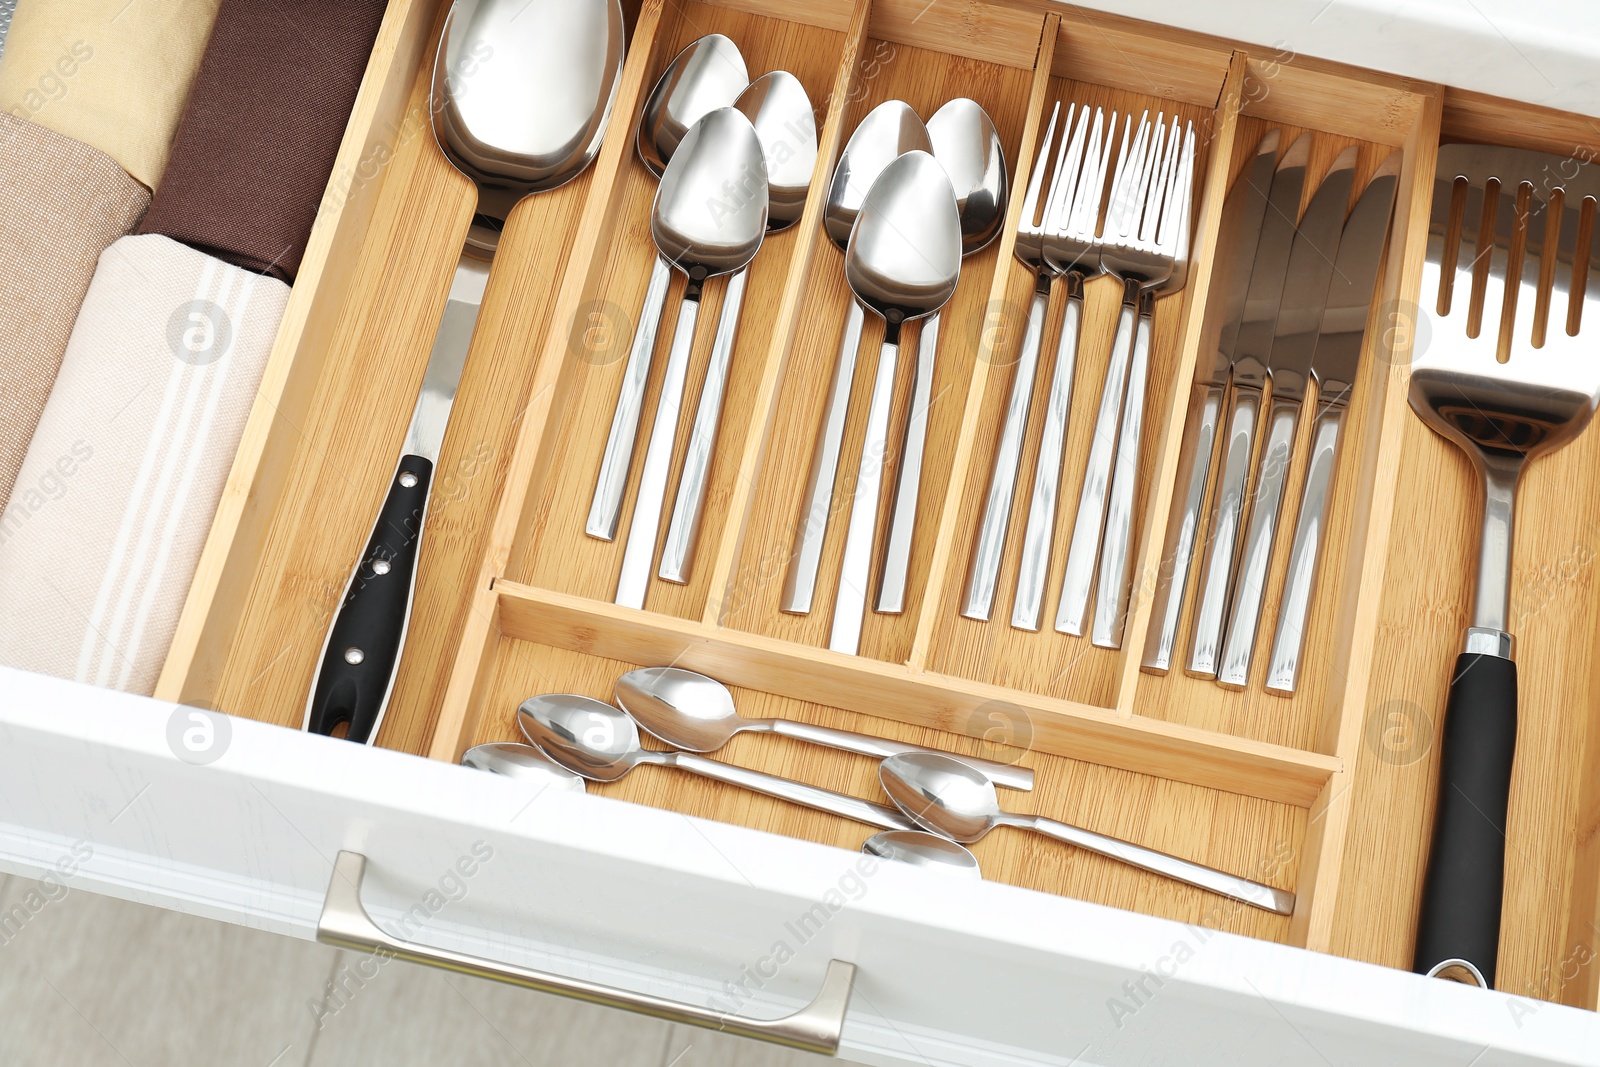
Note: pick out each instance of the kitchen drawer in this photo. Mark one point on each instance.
(701, 893)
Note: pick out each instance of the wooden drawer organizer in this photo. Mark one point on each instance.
(1324, 792)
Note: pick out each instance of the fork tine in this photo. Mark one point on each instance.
(1175, 212)
(1159, 223)
(1126, 187)
(1030, 202)
(1092, 185)
(1068, 173)
(1163, 165)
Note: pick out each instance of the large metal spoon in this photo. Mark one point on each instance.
(903, 263)
(921, 849)
(524, 763)
(947, 797)
(525, 122)
(709, 219)
(967, 146)
(697, 713)
(708, 74)
(601, 742)
(889, 130)
(780, 110)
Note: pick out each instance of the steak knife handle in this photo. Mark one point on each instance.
(362, 649)
(1458, 929)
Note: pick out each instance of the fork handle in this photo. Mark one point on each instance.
(1459, 923)
(1116, 556)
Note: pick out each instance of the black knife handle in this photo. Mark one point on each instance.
(363, 646)
(1461, 897)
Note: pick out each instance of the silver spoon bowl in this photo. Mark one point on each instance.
(945, 796)
(524, 763)
(693, 712)
(922, 849)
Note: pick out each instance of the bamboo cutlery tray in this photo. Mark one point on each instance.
(1328, 792)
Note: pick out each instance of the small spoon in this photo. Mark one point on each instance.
(890, 129)
(693, 712)
(709, 219)
(601, 742)
(524, 763)
(921, 849)
(780, 110)
(947, 797)
(967, 146)
(708, 74)
(903, 263)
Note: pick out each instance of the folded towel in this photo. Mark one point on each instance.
(262, 129)
(114, 502)
(61, 204)
(110, 73)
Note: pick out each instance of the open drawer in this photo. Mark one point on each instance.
(1058, 954)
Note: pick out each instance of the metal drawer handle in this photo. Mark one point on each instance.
(814, 1028)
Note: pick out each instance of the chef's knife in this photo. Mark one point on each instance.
(1305, 294)
(1251, 350)
(1333, 369)
(1239, 232)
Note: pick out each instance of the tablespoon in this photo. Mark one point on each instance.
(922, 849)
(947, 797)
(967, 146)
(524, 763)
(889, 129)
(601, 742)
(780, 110)
(708, 74)
(693, 712)
(709, 218)
(903, 263)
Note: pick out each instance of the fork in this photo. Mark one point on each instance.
(1145, 243)
(1506, 379)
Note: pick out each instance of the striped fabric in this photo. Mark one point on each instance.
(114, 501)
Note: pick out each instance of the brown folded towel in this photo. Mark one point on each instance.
(61, 204)
(258, 139)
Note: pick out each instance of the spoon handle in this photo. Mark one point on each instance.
(800, 584)
(1002, 774)
(683, 533)
(605, 510)
(796, 792)
(850, 603)
(1255, 894)
(641, 547)
(908, 484)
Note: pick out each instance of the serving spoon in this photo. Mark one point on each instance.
(903, 263)
(601, 742)
(779, 109)
(709, 219)
(922, 849)
(947, 797)
(527, 122)
(890, 129)
(967, 146)
(524, 763)
(708, 74)
(693, 712)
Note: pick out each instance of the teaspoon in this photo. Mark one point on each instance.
(922, 849)
(524, 763)
(947, 797)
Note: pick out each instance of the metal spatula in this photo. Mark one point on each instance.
(1509, 284)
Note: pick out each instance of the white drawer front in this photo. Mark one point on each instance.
(950, 972)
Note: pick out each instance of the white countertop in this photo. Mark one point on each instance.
(1538, 51)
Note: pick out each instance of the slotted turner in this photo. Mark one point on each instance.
(1509, 285)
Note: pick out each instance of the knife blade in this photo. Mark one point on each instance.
(357, 666)
(1238, 234)
(1305, 294)
(1333, 371)
(1249, 380)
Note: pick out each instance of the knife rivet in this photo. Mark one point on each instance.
(408, 479)
(354, 656)
(380, 566)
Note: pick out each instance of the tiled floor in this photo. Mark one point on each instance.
(87, 981)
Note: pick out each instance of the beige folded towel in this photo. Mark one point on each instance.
(114, 74)
(105, 526)
(61, 204)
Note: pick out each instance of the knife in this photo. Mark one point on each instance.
(1305, 294)
(1254, 344)
(1333, 370)
(1238, 235)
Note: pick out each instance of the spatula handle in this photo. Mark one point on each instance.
(1461, 897)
